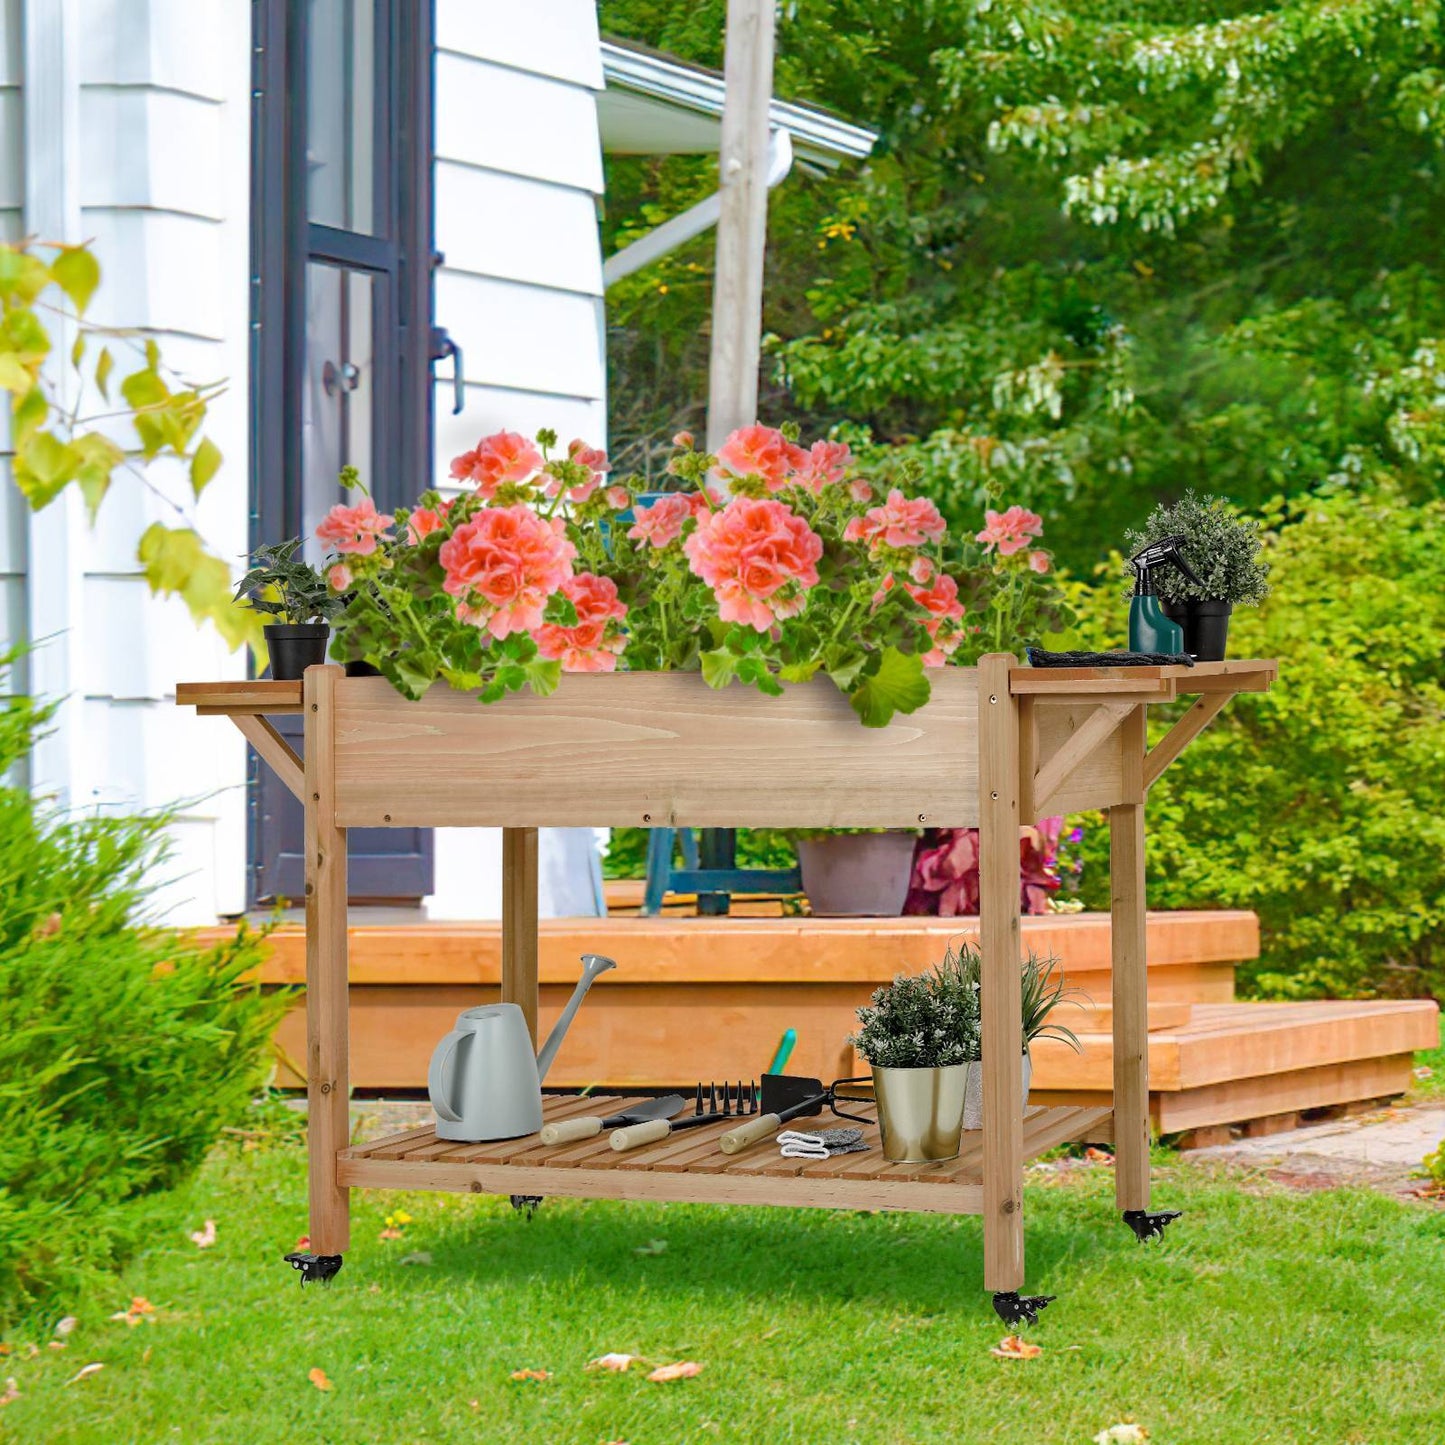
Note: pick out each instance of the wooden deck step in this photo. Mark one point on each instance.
(691, 1167)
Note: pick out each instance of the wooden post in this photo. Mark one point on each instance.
(519, 922)
(1130, 973)
(737, 294)
(999, 943)
(327, 1042)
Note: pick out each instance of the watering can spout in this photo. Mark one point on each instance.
(592, 965)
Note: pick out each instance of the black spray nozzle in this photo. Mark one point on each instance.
(1165, 552)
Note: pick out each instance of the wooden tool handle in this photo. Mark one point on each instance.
(635, 1134)
(564, 1131)
(762, 1127)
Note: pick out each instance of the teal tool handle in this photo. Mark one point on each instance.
(786, 1045)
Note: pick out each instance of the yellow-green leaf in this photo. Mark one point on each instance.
(77, 273)
(99, 458)
(22, 276)
(28, 413)
(77, 351)
(176, 563)
(104, 365)
(144, 389)
(44, 467)
(204, 465)
(14, 374)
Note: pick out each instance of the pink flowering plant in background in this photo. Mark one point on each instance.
(765, 564)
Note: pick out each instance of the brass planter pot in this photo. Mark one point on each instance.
(920, 1112)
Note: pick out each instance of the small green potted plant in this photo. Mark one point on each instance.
(283, 585)
(918, 1035)
(1042, 990)
(1223, 548)
(855, 872)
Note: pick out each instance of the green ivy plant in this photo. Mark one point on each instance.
(286, 588)
(45, 292)
(1222, 547)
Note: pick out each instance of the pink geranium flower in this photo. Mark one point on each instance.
(945, 611)
(596, 463)
(618, 498)
(1039, 561)
(900, 522)
(761, 451)
(506, 456)
(503, 565)
(662, 522)
(759, 558)
(423, 521)
(824, 464)
(1010, 531)
(339, 577)
(354, 529)
(595, 642)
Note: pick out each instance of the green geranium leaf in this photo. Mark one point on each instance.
(719, 667)
(544, 674)
(896, 685)
(799, 671)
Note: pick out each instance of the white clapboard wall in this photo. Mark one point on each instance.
(164, 194)
(162, 146)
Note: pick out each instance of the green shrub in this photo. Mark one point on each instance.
(1318, 804)
(124, 1050)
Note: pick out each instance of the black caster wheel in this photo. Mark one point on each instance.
(526, 1204)
(315, 1267)
(1020, 1309)
(1149, 1224)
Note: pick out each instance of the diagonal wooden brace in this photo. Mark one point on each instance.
(1205, 709)
(274, 750)
(1054, 772)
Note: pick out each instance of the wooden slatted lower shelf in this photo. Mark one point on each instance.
(689, 1166)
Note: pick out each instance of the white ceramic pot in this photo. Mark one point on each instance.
(973, 1092)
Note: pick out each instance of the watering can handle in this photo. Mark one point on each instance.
(437, 1073)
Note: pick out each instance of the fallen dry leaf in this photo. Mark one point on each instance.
(1125, 1434)
(537, 1375)
(611, 1362)
(10, 1393)
(85, 1372)
(56, 1345)
(1014, 1347)
(205, 1236)
(140, 1308)
(653, 1246)
(1098, 1156)
(304, 1242)
(66, 1326)
(390, 1233)
(683, 1370)
(318, 1377)
(1424, 1072)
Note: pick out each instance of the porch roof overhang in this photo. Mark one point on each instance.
(654, 104)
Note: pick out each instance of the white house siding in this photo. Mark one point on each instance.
(518, 177)
(163, 149)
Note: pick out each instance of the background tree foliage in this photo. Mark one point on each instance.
(1104, 252)
(1101, 252)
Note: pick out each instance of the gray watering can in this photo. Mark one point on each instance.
(484, 1082)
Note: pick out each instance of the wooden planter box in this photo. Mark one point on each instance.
(996, 745)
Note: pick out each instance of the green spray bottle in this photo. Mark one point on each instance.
(1149, 629)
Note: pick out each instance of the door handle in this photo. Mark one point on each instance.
(443, 346)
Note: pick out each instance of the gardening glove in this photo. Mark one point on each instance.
(821, 1145)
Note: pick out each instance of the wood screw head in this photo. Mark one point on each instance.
(313, 707)
(993, 697)
(386, 817)
(647, 817)
(993, 795)
(922, 817)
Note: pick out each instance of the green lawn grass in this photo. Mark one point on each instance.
(1264, 1316)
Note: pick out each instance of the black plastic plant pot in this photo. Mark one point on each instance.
(1206, 627)
(362, 669)
(1208, 637)
(295, 646)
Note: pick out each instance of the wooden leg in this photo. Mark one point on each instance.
(327, 1086)
(999, 942)
(519, 922)
(1130, 978)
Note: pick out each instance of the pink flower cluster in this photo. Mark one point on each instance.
(758, 557)
(503, 565)
(594, 643)
(354, 529)
(901, 522)
(507, 456)
(763, 451)
(661, 523)
(1010, 532)
(945, 613)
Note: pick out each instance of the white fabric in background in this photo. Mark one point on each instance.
(569, 874)
(469, 874)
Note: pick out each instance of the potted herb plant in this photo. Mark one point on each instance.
(1223, 548)
(1043, 989)
(856, 872)
(283, 585)
(918, 1035)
